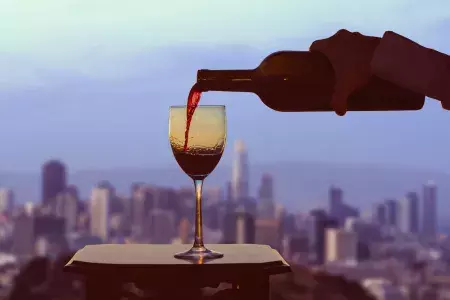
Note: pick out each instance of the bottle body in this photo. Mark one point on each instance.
(295, 81)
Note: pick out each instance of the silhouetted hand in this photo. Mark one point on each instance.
(413, 66)
(350, 54)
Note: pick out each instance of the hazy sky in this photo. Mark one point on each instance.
(90, 82)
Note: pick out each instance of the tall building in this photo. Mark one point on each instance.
(269, 232)
(144, 201)
(23, 236)
(266, 205)
(67, 207)
(380, 214)
(320, 219)
(161, 228)
(341, 245)
(212, 196)
(239, 228)
(409, 213)
(49, 234)
(391, 212)
(338, 209)
(429, 210)
(240, 172)
(99, 213)
(335, 198)
(53, 181)
(6, 200)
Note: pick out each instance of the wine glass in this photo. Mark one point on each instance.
(206, 140)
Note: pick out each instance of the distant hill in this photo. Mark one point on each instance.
(298, 185)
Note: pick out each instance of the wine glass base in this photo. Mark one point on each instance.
(198, 254)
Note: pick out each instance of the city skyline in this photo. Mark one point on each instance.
(337, 238)
(284, 194)
(54, 184)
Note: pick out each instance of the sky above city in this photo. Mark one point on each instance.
(90, 82)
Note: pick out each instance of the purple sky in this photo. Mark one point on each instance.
(91, 84)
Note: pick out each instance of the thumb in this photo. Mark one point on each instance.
(445, 104)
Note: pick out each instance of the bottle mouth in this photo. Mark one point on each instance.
(224, 75)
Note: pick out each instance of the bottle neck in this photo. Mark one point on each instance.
(226, 80)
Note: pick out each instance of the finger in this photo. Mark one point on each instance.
(339, 101)
(445, 104)
(319, 45)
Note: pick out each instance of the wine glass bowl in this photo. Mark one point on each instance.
(206, 139)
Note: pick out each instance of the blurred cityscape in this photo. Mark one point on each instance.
(395, 251)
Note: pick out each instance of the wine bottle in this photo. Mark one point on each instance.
(300, 81)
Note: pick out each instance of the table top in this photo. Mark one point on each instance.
(146, 254)
(158, 261)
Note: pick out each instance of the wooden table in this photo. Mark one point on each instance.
(156, 274)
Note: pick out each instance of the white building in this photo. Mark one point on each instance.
(240, 172)
(99, 211)
(6, 200)
(341, 245)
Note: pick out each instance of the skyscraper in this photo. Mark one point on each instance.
(266, 206)
(239, 227)
(100, 200)
(429, 210)
(6, 200)
(144, 201)
(341, 245)
(338, 209)
(391, 212)
(336, 203)
(320, 219)
(380, 214)
(409, 213)
(66, 207)
(240, 172)
(53, 181)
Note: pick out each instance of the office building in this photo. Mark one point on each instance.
(320, 219)
(266, 205)
(161, 227)
(409, 213)
(240, 172)
(338, 209)
(53, 181)
(268, 232)
(391, 212)
(23, 236)
(99, 211)
(380, 214)
(6, 201)
(239, 227)
(341, 245)
(67, 208)
(429, 210)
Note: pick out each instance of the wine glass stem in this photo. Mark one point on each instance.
(198, 241)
